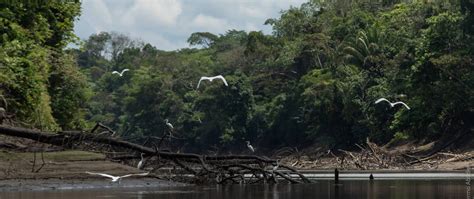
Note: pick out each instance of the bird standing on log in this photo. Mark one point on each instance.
(141, 163)
(169, 124)
(250, 147)
(170, 127)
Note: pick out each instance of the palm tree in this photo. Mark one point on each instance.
(364, 49)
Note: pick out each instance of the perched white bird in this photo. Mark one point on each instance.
(117, 178)
(2, 112)
(275, 167)
(392, 104)
(212, 78)
(169, 124)
(140, 164)
(250, 146)
(120, 73)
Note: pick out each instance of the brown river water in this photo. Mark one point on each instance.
(327, 189)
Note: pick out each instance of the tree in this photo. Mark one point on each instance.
(32, 35)
(204, 39)
(69, 93)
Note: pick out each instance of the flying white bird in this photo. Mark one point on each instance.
(250, 146)
(120, 73)
(392, 104)
(212, 78)
(169, 124)
(117, 178)
(140, 164)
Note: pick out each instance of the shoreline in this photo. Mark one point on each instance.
(77, 184)
(395, 171)
(65, 170)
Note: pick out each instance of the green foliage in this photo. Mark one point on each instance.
(443, 69)
(313, 81)
(69, 92)
(31, 37)
(205, 39)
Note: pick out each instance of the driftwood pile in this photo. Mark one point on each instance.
(373, 157)
(189, 167)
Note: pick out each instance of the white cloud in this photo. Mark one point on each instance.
(208, 23)
(251, 27)
(158, 40)
(249, 11)
(94, 9)
(153, 12)
(167, 24)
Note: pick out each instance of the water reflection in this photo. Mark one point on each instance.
(322, 189)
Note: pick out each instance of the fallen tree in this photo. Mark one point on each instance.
(198, 168)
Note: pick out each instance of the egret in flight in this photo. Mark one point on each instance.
(120, 73)
(392, 104)
(141, 163)
(117, 178)
(212, 78)
(250, 146)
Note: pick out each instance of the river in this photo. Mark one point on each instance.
(327, 189)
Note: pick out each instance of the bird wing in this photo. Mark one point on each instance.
(223, 79)
(101, 174)
(202, 78)
(116, 72)
(382, 99)
(402, 103)
(140, 164)
(170, 125)
(123, 71)
(138, 174)
(251, 147)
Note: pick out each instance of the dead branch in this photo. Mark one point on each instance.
(102, 126)
(286, 177)
(203, 166)
(374, 153)
(34, 162)
(354, 159)
(306, 180)
(42, 162)
(190, 170)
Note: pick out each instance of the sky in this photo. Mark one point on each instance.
(167, 24)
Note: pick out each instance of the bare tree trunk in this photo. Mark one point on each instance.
(198, 165)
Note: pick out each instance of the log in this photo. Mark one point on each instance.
(286, 177)
(374, 153)
(63, 137)
(306, 180)
(207, 163)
